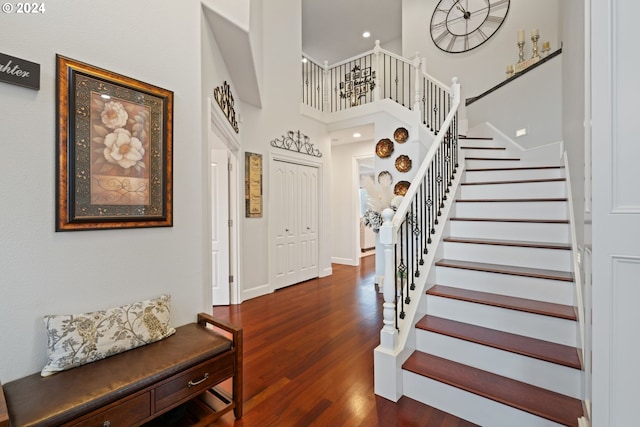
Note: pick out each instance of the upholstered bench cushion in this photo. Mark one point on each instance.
(53, 400)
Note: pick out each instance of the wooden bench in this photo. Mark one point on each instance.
(134, 387)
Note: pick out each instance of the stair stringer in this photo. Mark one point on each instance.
(388, 373)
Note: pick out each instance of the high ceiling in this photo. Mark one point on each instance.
(332, 29)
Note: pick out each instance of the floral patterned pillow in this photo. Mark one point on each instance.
(76, 339)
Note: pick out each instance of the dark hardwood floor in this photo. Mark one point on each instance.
(308, 357)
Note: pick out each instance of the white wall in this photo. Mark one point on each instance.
(532, 101)
(481, 68)
(344, 200)
(572, 17)
(280, 113)
(67, 272)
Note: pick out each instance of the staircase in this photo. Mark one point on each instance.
(498, 342)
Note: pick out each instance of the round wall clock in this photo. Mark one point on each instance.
(461, 25)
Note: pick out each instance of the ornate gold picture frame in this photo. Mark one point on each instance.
(114, 150)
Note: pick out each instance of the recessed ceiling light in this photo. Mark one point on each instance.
(366, 34)
(304, 60)
(357, 135)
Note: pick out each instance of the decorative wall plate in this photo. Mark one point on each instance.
(384, 148)
(385, 176)
(401, 135)
(403, 163)
(400, 189)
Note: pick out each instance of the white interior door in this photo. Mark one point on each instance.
(308, 232)
(616, 212)
(220, 226)
(295, 223)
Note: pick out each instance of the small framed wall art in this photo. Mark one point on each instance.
(253, 185)
(114, 151)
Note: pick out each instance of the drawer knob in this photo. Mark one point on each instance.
(196, 382)
(106, 424)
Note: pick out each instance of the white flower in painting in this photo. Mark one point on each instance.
(114, 115)
(122, 148)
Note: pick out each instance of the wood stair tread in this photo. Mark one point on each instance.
(512, 169)
(553, 406)
(516, 243)
(482, 138)
(534, 221)
(539, 199)
(503, 301)
(532, 347)
(518, 181)
(539, 273)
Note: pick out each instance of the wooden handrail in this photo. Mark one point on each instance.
(471, 100)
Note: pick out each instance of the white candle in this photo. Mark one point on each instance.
(535, 32)
(520, 36)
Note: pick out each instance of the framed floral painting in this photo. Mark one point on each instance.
(115, 167)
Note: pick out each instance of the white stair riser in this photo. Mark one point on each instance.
(468, 406)
(499, 154)
(511, 175)
(534, 232)
(549, 259)
(514, 190)
(464, 142)
(514, 210)
(547, 328)
(506, 284)
(550, 376)
(493, 164)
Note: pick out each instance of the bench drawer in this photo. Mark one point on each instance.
(126, 413)
(194, 381)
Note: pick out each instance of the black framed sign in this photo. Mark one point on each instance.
(19, 72)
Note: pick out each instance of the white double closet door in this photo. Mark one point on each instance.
(295, 224)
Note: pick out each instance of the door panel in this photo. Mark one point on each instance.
(279, 224)
(220, 227)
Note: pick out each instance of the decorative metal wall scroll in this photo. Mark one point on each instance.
(224, 98)
(357, 84)
(296, 141)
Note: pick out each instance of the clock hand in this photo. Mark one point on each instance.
(465, 16)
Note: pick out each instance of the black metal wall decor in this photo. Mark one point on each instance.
(224, 98)
(296, 141)
(357, 84)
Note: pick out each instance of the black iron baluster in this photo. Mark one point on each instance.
(425, 214)
(403, 80)
(416, 233)
(402, 271)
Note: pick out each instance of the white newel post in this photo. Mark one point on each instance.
(418, 95)
(455, 90)
(388, 239)
(325, 94)
(376, 89)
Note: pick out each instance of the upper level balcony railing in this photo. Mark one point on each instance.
(375, 75)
